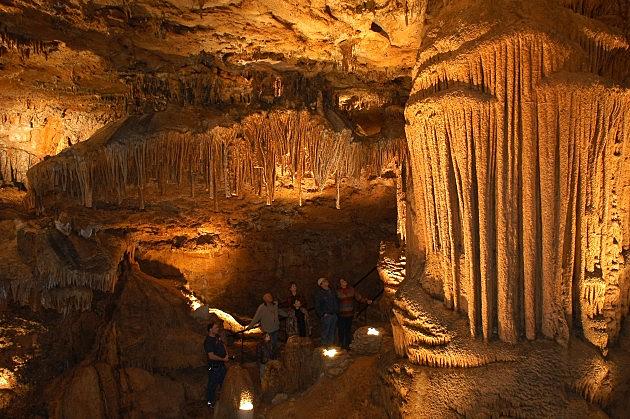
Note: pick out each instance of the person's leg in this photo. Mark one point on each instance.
(212, 385)
(325, 330)
(341, 331)
(274, 341)
(333, 328)
(349, 331)
(220, 377)
(341, 327)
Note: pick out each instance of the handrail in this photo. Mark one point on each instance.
(364, 277)
(368, 305)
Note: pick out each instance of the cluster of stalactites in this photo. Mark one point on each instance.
(521, 165)
(25, 46)
(226, 159)
(13, 164)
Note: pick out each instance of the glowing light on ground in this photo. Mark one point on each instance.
(373, 331)
(7, 380)
(330, 353)
(246, 402)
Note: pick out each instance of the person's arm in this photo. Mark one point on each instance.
(255, 320)
(307, 322)
(213, 357)
(361, 298)
(282, 313)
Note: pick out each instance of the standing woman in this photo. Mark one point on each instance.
(293, 295)
(346, 296)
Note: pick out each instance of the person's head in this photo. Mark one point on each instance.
(323, 282)
(343, 283)
(268, 298)
(267, 337)
(214, 327)
(293, 287)
(297, 304)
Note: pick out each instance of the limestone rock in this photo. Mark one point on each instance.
(297, 359)
(330, 366)
(366, 342)
(279, 398)
(237, 389)
(272, 381)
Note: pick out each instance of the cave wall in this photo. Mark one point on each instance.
(518, 135)
(32, 128)
(250, 249)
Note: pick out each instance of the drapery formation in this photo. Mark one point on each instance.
(12, 160)
(119, 161)
(520, 141)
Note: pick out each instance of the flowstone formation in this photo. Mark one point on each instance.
(520, 161)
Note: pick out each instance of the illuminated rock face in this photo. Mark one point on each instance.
(519, 145)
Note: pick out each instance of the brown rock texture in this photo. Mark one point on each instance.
(297, 358)
(518, 146)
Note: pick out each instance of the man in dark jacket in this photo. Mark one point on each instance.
(217, 356)
(326, 307)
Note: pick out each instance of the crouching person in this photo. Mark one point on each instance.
(216, 353)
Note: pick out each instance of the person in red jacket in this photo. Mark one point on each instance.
(346, 296)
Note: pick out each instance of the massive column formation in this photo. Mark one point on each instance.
(519, 148)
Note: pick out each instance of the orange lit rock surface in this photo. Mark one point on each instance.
(518, 148)
(162, 157)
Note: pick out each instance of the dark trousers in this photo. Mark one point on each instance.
(274, 341)
(216, 375)
(328, 323)
(345, 331)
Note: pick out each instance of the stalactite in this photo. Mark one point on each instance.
(24, 45)
(519, 153)
(227, 158)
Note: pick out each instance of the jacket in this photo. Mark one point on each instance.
(267, 316)
(346, 297)
(326, 302)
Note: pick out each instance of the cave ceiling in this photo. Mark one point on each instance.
(363, 51)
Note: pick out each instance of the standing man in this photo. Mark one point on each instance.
(326, 307)
(267, 315)
(216, 353)
(346, 296)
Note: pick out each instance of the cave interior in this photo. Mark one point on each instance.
(465, 164)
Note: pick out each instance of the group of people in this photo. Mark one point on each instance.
(335, 309)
